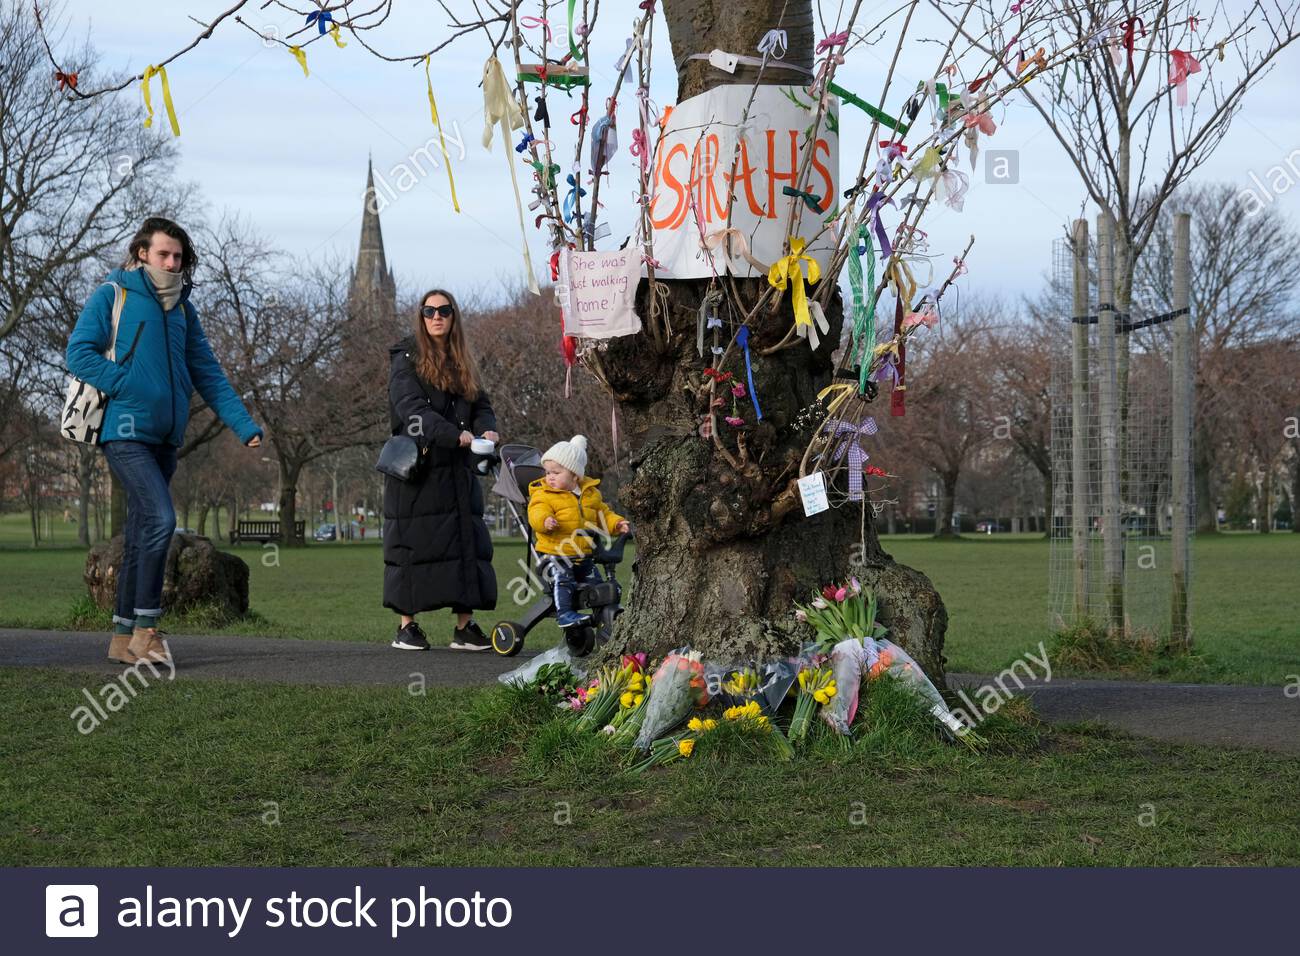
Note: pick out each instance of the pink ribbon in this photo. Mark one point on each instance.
(534, 22)
(1181, 66)
(835, 39)
(640, 148)
(981, 121)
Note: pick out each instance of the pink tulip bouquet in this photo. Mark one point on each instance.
(841, 611)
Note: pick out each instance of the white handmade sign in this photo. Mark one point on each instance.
(812, 491)
(694, 188)
(597, 293)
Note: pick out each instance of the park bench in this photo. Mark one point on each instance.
(264, 531)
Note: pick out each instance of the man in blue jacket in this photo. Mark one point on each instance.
(161, 355)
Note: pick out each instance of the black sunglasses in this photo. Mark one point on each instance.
(429, 311)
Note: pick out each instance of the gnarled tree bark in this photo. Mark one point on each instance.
(723, 547)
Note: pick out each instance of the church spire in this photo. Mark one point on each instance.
(373, 286)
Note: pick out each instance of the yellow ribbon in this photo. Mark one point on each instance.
(446, 157)
(788, 270)
(500, 106)
(843, 392)
(928, 164)
(338, 40)
(301, 57)
(900, 277)
(149, 72)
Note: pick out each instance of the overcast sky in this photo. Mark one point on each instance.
(290, 152)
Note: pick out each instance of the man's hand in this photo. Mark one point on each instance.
(550, 524)
(493, 437)
(622, 527)
(465, 439)
(255, 441)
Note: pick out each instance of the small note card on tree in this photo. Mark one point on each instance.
(812, 489)
(597, 293)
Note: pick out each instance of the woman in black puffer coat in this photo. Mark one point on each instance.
(437, 550)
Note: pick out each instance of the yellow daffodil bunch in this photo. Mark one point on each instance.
(741, 683)
(630, 698)
(816, 688)
(700, 726)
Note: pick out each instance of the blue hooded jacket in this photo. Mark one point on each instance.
(161, 359)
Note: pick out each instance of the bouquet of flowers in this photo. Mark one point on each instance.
(632, 702)
(767, 683)
(816, 688)
(848, 661)
(603, 696)
(676, 688)
(751, 715)
(840, 611)
(528, 671)
(886, 657)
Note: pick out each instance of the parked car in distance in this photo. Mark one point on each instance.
(326, 532)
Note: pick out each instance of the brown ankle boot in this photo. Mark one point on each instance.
(119, 649)
(146, 645)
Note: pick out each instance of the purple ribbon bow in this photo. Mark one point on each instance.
(850, 442)
(877, 200)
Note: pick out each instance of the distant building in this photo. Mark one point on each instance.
(372, 290)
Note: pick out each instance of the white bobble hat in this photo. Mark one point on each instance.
(571, 454)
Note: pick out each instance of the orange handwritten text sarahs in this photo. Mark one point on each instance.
(681, 170)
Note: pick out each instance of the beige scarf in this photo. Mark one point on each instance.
(168, 284)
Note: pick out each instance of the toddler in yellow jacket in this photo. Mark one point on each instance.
(560, 504)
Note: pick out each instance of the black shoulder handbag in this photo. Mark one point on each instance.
(402, 455)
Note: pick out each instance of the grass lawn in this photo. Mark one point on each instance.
(995, 588)
(197, 773)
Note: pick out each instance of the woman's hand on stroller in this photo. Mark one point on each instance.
(493, 437)
(465, 439)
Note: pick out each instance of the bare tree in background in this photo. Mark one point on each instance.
(316, 381)
(1245, 277)
(79, 174)
(949, 417)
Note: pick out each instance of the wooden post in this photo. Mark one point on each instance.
(1180, 633)
(1108, 400)
(1080, 513)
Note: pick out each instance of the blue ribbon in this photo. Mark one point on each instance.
(742, 337)
(320, 18)
(524, 143)
(570, 201)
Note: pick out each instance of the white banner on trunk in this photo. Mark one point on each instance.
(693, 175)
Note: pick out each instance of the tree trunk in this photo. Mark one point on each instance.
(723, 550)
(288, 502)
(947, 505)
(1295, 491)
(202, 528)
(1207, 508)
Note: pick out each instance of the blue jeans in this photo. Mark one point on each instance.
(145, 472)
(565, 576)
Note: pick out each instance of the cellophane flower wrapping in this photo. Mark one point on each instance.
(559, 654)
(884, 656)
(676, 689)
(848, 664)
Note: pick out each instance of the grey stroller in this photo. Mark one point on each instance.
(521, 465)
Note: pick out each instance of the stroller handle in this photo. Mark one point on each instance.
(611, 555)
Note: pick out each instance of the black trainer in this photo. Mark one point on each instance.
(411, 638)
(470, 638)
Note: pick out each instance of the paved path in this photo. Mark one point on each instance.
(1227, 715)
